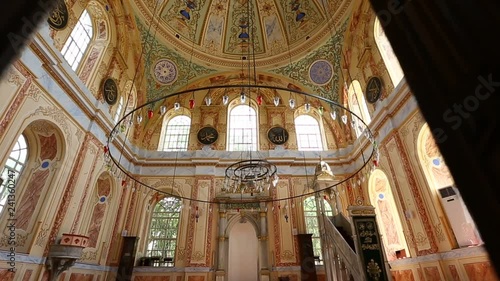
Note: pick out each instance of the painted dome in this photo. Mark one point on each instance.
(220, 32)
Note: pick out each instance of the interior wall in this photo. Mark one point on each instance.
(243, 253)
(34, 92)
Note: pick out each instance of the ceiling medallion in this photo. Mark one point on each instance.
(165, 71)
(321, 72)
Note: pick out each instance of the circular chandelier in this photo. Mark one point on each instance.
(250, 176)
(253, 177)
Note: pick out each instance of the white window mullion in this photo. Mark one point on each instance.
(177, 133)
(78, 41)
(308, 133)
(242, 129)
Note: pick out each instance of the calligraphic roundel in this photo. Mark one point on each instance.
(277, 135)
(58, 16)
(207, 135)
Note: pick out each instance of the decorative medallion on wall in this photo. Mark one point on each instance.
(110, 91)
(277, 135)
(58, 17)
(207, 135)
(165, 71)
(373, 89)
(321, 72)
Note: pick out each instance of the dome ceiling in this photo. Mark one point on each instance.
(219, 32)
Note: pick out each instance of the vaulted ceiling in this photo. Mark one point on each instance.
(218, 32)
(287, 43)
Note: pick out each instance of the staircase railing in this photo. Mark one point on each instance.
(340, 260)
(341, 221)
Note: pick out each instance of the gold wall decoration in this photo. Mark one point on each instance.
(58, 17)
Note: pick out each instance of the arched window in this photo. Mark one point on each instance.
(12, 170)
(163, 230)
(176, 137)
(385, 49)
(357, 104)
(78, 41)
(388, 219)
(308, 133)
(435, 169)
(36, 183)
(119, 109)
(242, 135)
(312, 223)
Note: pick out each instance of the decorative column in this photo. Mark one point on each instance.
(264, 260)
(222, 253)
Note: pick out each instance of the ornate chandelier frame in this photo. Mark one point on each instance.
(251, 175)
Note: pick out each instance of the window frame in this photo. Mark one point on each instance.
(78, 41)
(361, 110)
(164, 137)
(20, 146)
(254, 130)
(169, 250)
(384, 47)
(320, 134)
(119, 109)
(316, 236)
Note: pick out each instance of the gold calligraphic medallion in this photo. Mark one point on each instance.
(277, 135)
(373, 89)
(58, 16)
(110, 91)
(207, 135)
